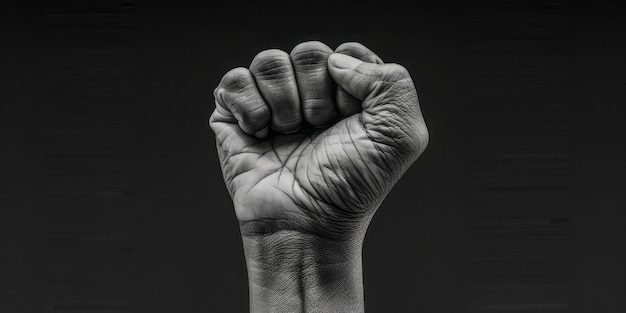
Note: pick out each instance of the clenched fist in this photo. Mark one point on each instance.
(310, 142)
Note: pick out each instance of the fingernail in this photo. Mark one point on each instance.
(343, 61)
(261, 133)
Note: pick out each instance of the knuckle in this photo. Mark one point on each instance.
(235, 79)
(395, 72)
(257, 116)
(310, 53)
(271, 63)
(351, 46)
(221, 96)
(213, 118)
(359, 51)
(310, 45)
(217, 93)
(270, 54)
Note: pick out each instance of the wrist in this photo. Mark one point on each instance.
(292, 271)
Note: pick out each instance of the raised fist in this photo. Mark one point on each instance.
(310, 142)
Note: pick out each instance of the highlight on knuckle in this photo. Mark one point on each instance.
(311, 53)
(359, 51)
(311, 44)
(395, 72)
(310, 58)
(222, 96)
(217, 93)
(351, 46)
(271, 64)
(235, 80)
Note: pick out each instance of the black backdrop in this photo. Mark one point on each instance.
(112, 198)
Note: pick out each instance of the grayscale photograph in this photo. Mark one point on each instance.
(313, 157)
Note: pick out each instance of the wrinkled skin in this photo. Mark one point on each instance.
(338, 139)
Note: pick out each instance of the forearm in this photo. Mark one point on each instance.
(290, 271)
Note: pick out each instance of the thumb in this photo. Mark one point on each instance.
(389, 100)
(361, 79)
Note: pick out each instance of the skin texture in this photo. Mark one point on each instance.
(310, 142)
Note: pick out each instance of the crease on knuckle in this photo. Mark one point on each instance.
(271, 65)
(256, 116)
(310, 58)
(274, 71)
(236, 79)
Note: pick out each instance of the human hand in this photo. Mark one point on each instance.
(310, 143)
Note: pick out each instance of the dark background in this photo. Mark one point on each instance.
(112, 200)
